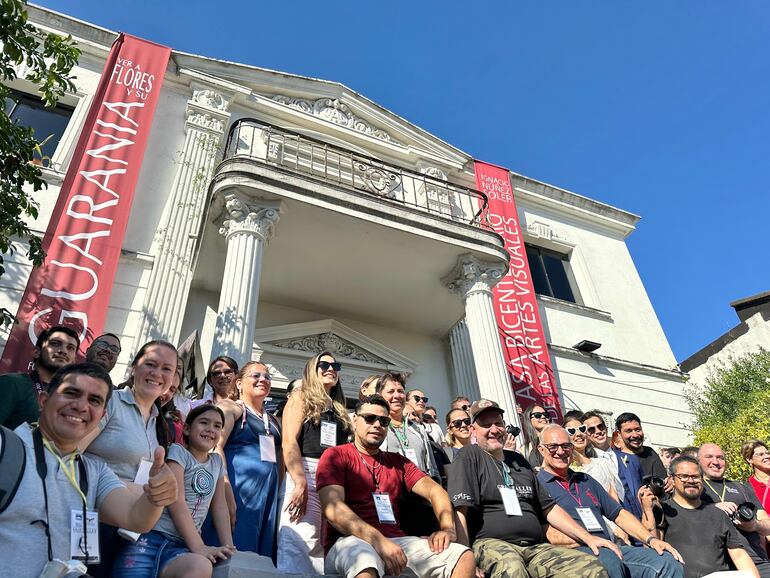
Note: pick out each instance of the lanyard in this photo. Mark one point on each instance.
(576, 495)
(372, 470)
(264, 416)
(401, 434)
(42, 472)
(506, 472)
(724, 489)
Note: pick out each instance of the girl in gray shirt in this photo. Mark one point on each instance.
(174, 546)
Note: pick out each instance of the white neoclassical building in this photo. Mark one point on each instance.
(278, 215)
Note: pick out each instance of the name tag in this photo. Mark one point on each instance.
(267, 448)
(589, 520)
(328, 434)
(384, 508)
(78, 537)
(510, 501)
(143, 473)
(411, 455)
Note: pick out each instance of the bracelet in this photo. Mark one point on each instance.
(649, 539)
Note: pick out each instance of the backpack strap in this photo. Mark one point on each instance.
(13, 459)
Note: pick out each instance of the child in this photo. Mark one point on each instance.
(174, 548)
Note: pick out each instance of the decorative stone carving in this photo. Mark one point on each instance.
(333, 110)
(204, 120)
(378, 180)
(471, 275)
(432, 171)
(210, 99)
(542, 230)
(329, 342)
(252, 219)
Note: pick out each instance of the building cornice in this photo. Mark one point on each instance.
(634, 366)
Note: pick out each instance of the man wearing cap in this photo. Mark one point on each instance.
(503, 508)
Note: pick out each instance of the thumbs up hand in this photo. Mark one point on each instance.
(161, 489)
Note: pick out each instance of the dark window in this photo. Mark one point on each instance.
(29, 110)
(550, 273)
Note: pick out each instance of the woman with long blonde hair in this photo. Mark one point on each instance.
(314, 419)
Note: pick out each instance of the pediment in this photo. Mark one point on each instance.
(286, 349)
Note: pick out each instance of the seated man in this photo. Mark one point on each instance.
(62, 494)
(503, 509)
(728, 495)
(702, 534)
(588, 503)
(359, 487)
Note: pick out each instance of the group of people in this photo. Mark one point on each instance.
(137, 480)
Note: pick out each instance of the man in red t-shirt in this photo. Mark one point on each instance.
(359, 487)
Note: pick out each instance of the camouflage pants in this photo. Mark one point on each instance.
(500, 559)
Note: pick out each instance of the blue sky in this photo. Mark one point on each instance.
(663, 112)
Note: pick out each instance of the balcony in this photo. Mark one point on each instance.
(329, 164)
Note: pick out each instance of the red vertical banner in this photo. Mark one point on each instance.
(85, 233)
(516, 311)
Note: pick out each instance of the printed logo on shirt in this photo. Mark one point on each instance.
(461, 496)
(593, 498)
(732, 490)
(202, 482)
(525, 492)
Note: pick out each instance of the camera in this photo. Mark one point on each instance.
(655, 484)
(513, 430)
(746, 512)
(60, 569)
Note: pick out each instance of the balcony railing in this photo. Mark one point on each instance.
(273, 146)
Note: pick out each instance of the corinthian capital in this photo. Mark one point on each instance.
(471, 275)
(244, 216)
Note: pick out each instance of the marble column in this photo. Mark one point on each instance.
(176, 239)
(463, 365)
(473, 279)
(249, 227)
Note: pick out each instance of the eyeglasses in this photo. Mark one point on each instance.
(324, 365)
(596, 428)
(553, 448)
(370, 418)
(688, 477)
(108, 346)
(419, 399)
(465, 407)
(223, 373)
(428, 418)
(259, 374)
(458, 423)
(540, 415)
(573, 430)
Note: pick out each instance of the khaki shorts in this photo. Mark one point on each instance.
(350, 555)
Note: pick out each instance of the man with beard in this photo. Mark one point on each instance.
(503, 509)
(702, 534)
(632, 436)
(104, 351)
(359, 487)
(588, 504)
(55, 348)
(729, 496)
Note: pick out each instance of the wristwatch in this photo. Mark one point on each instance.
(649, 539)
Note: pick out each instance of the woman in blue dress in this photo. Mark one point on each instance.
(250, 446)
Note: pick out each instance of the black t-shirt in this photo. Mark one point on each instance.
(702, 537)
(737, 493)
(651, 464)
(310, 435)
(473, 482)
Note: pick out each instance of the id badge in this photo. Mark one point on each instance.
(267, 448)
(143, 473)
(328, 434)
(411, 455)
(77, 538)
(384, 508)
(589, 520)
(510, 501)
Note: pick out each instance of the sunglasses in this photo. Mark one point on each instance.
(258, 374)
(573, 430)
(458, 423)
(370, 418)
(224, 373)
(596, 428)
(419, 399)
(540, 415)
(465, 407)
(108, 346)
(324, 365)
(553, 448)
(428, 418)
